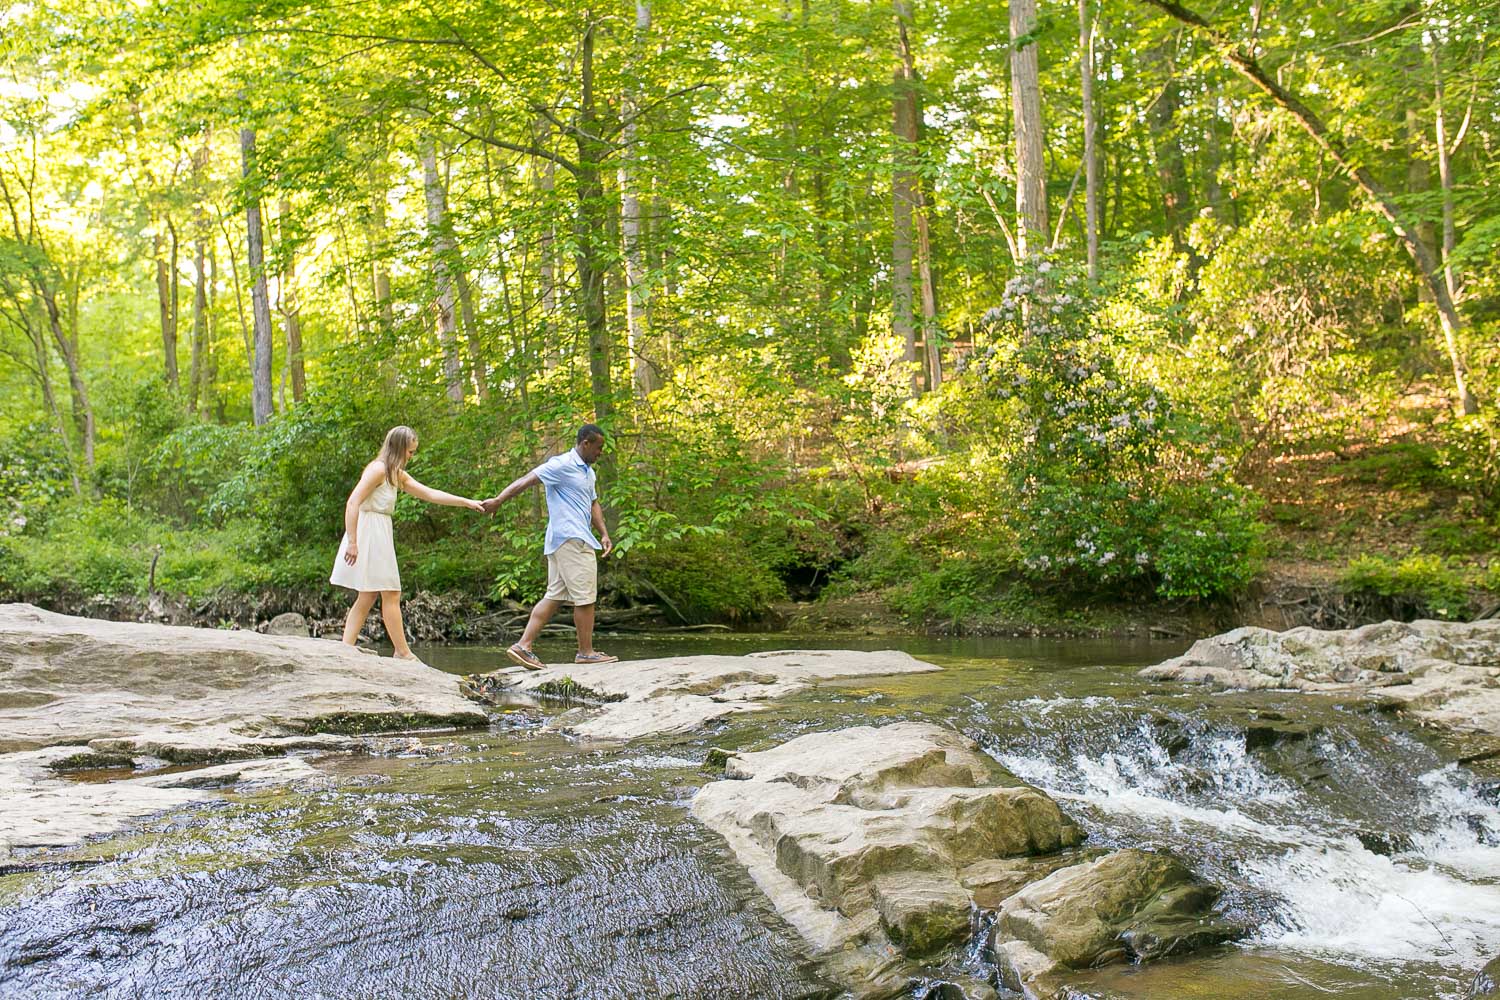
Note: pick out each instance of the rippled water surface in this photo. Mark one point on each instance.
(518, 863)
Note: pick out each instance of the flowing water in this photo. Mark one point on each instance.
(514, 862)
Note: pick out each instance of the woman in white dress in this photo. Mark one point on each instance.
(366, 562)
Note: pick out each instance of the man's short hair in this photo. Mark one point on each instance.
(588, 432)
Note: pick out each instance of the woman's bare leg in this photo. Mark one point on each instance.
(390, 613)
(355, 623)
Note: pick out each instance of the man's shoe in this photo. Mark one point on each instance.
(595, 657)
(525, 657)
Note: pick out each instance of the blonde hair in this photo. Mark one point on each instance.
(398, 442)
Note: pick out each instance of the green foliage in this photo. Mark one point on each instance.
(1430, 584)
(1468, 457)
(707, 576)
(1112, 484)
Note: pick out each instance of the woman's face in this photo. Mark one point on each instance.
(411, 452)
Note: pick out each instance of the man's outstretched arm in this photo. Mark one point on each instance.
(526, 482)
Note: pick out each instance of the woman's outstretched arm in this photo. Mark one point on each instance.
(431, 495)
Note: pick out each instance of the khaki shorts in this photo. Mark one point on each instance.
(573, 573)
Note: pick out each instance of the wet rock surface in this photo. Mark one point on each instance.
(1130, 905)
(683, 693)
(79, 693)
(1446, 673)
(861, 837)
(187, 693)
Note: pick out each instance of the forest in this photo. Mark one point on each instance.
(1002, 317)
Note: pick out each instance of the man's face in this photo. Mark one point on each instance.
(590, 449)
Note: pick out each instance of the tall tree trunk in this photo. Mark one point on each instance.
(260, 369)
(289, 306)
(1445, 168)
(477, 366)
(637, 333)
(443, 256)
(1249, 67)
(200, 311)
(1166, 148)
(213, 401)
(904, 196)
(1090, 152)
(200, 279)
(380, 271)
(544, 173)
(1026, 108)
(166, 293)
(592, 233)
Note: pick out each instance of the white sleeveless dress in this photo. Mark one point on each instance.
(375, 568)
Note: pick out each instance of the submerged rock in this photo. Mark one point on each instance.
(862, 838)
(1130, 905)
(680, 694)
(44, 810)
(1446, 673)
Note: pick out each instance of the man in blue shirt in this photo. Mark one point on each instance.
(572, 570)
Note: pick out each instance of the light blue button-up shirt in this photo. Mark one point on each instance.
(569, 482)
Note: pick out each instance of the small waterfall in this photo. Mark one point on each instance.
(1348, 840)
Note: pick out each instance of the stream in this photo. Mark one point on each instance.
(514, 862)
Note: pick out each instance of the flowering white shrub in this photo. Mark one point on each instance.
(1112, 481)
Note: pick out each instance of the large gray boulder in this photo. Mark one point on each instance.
(1447, 673)
(192, 694)
(680, 694)
(862, 837)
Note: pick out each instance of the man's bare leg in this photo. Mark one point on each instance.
(583, 621)
(540, 616)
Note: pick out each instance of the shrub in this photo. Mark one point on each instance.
(1427, 584)
(1110, 484)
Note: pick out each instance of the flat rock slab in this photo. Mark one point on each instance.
(680, 694)
(860, 837)
(200, 694)
(1446, 673)
(45, 810)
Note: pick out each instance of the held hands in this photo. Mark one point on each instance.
(351, 553)
(491, 505)
(475, 505)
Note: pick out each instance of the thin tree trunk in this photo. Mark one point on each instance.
(1026, 107)
(1427, 266)
(442, 269)
(260, 301)
(545, 174)
(637, 333)
(904, 196)
(1445, 170)
(592, 235)
(200, 312)
(1166, 148)
(289, 306)
(166, 295)
(1090, 153)
(477, 367)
